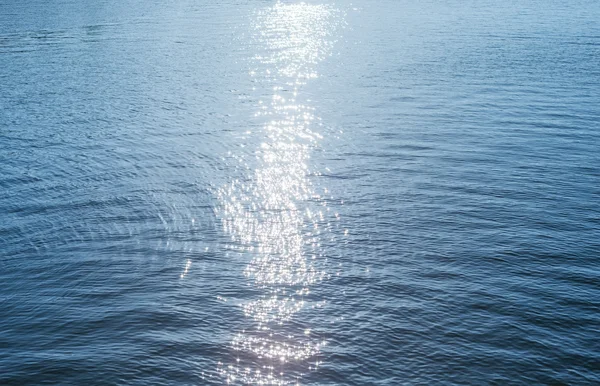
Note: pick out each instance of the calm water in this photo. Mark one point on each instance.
(318, 193)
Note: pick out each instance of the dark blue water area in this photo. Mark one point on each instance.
(311, 193)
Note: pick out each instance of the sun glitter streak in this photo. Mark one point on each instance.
(276, 214)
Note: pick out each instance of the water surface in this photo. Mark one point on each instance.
(311, 193)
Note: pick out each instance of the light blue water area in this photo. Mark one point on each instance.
(310, 193)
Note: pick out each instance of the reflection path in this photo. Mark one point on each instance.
(276, 215)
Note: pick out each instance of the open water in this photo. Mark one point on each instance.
(253, 192)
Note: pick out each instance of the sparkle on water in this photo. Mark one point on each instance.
(268, 213)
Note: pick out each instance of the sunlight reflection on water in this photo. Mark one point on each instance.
(276, 214)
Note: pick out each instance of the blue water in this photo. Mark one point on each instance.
(303, 193)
